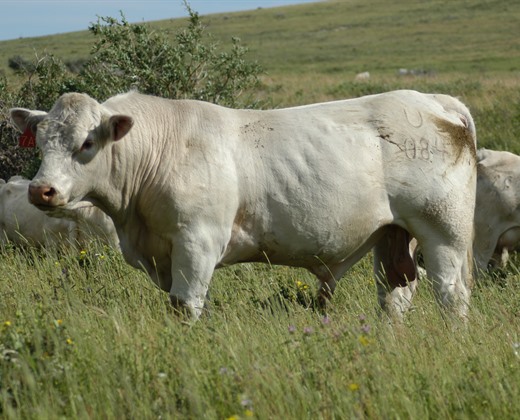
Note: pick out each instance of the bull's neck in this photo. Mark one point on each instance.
(133, 162)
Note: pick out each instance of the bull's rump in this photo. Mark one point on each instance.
(320, 180)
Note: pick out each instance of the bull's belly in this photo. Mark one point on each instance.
(306, 247)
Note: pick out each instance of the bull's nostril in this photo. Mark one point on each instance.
(42, 194)
(51, 192)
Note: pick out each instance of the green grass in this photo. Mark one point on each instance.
(93, 338)
(346, 37)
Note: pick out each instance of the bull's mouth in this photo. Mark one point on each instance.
(65, 209)
(47, 207)
(56, 210)
(53, 211)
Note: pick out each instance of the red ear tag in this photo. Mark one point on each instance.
(27, 139)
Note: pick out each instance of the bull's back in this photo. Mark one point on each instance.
(398, 143)
(325, 177)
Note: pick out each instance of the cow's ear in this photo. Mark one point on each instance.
(120, 125)
(25, 119)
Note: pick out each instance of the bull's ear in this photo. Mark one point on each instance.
(25, 119)
(120, 125)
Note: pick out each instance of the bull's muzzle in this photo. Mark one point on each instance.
(43, 195)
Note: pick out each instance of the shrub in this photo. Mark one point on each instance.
(133, 56)
(19, 64)
(44, 83)
(127, 56)
(13, 159)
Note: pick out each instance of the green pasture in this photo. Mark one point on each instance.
(345, 37)
(84, 335)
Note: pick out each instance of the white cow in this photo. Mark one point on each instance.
(193, 186)
(497, 212)
(23, 223)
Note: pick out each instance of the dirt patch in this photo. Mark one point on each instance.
(460, 137)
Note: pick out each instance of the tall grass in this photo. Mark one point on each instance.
(85, 336)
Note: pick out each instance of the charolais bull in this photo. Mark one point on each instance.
(192, 186)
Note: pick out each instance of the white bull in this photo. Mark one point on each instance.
(22, 223)
(193, 186)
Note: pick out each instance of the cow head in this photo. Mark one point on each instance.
(71, 138)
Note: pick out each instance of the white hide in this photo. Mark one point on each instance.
(23, 223)
(193, 186)
(497, 212)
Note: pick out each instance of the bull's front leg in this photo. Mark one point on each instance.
(193, 260)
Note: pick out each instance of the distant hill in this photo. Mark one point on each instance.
(349, 36)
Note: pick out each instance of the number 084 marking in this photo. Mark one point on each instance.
(421, 149)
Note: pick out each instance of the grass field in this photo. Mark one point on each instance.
(87, 336)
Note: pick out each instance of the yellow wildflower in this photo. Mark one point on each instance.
(233, 417)
(7, 324)
(301, 285)
(248, 413)
(69, 341)
(353, 387)
(364, 340)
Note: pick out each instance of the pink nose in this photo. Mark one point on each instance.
(42, 195)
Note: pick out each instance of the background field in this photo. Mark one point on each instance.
(86, 336)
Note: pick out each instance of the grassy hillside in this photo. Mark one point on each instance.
(349, 36)
(352, 36)
(83, 335)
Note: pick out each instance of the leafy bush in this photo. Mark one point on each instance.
(19, 64)
(133, 56)
(47, 80)
(128, 56)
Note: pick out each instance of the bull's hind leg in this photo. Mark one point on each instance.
(449, 268)
(395, 271)
(328, 278)
(329, 274)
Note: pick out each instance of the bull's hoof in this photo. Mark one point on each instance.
(187, 312)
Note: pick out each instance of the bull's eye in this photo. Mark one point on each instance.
(87, 145)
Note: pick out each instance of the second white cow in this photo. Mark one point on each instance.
(22, 223)
(497, 212)
(193, 186)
